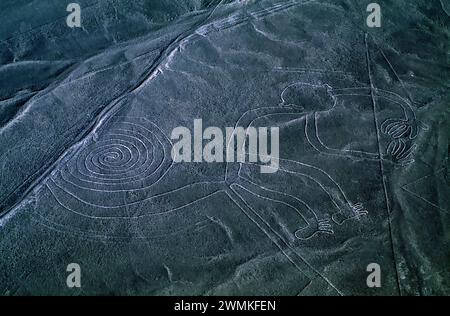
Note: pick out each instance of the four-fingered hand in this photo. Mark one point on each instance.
(397, 128)
(402, 132)
(400, 151)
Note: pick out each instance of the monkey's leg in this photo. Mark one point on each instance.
(315, 223)
(346, 209)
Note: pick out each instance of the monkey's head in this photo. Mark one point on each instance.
(313, 98)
